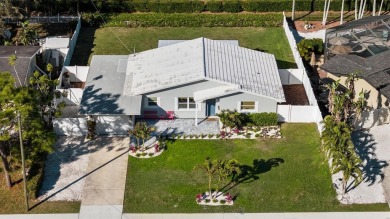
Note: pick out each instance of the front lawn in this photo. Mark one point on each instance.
(12, 202)
(284, 175)
(102, 41)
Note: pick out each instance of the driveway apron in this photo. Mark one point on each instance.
(104, 185)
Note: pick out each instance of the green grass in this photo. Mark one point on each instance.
(271, 40)
(12, 202)
(301, 183)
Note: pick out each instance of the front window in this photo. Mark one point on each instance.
(247, 105)
(186, 103)
(152, 102)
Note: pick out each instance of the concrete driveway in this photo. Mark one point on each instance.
(105, 182)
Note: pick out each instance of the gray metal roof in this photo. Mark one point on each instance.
(199, 59)
(374, 69)
(103, 90)
(162, 43)
(254, 71)
(24, 56)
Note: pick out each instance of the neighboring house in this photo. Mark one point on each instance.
(193, 79)
(55, 50)
(25, 63)
(362, 46)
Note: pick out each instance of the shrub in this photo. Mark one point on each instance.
(207, 200)
(144, 154)
(218, 135)
(248, 135)
(35, 177)
(151, 154)
(193, 20)
(222, 201)
(232, 6)
(257, 135)
(191, 136)
(215, 200)
(138, 154)
(307, 46)
(210, 135)
(214, 6)
(263, 119)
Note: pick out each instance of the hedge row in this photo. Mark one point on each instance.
(233, 6)
(263, 119)
(187, 20)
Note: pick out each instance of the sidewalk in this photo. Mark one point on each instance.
(306, 215)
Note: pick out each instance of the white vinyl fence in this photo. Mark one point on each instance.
(72, 43)
(291, 113)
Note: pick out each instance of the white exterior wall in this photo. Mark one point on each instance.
(233, 102)
(113, 125)
(70, 126)
(167, 100)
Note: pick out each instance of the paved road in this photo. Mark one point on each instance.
(104, 188)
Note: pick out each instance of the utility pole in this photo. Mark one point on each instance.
(23, 164)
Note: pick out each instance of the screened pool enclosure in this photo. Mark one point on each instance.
(364, 37)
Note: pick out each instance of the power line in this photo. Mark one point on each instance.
(105, 23)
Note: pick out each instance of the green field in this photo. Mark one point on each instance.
(283, 175)
(102, 41)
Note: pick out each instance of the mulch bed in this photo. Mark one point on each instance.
(295, 94)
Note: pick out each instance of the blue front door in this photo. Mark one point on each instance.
(210, 107)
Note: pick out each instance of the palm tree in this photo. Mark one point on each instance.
(293, 11)
(349, 163)
(231, 119)
(335, 136)
(12, 62)
(210, 168)
(135, 132)
(225, 169)
(144, 131)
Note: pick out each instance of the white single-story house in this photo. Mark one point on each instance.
(188, 79)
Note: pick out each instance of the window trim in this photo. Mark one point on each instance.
(256, 109)
(147, 102)
(188, 102)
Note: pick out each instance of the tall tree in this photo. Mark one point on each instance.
(7, 121)
(342, 12)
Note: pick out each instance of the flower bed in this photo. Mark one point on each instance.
(215, 199)
(153, 150)
(245, 133)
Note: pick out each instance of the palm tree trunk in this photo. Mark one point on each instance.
(343, 187)
(210, 186)
(342, 12)
(5, 162)
(374, 8)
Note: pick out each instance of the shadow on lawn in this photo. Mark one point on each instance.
(251, 173)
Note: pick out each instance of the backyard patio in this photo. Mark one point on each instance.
(183, 126)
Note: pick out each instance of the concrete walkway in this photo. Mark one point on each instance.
(104, 187)
(386, 184)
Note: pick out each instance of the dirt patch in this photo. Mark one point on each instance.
(295, 94)
(315, 26)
